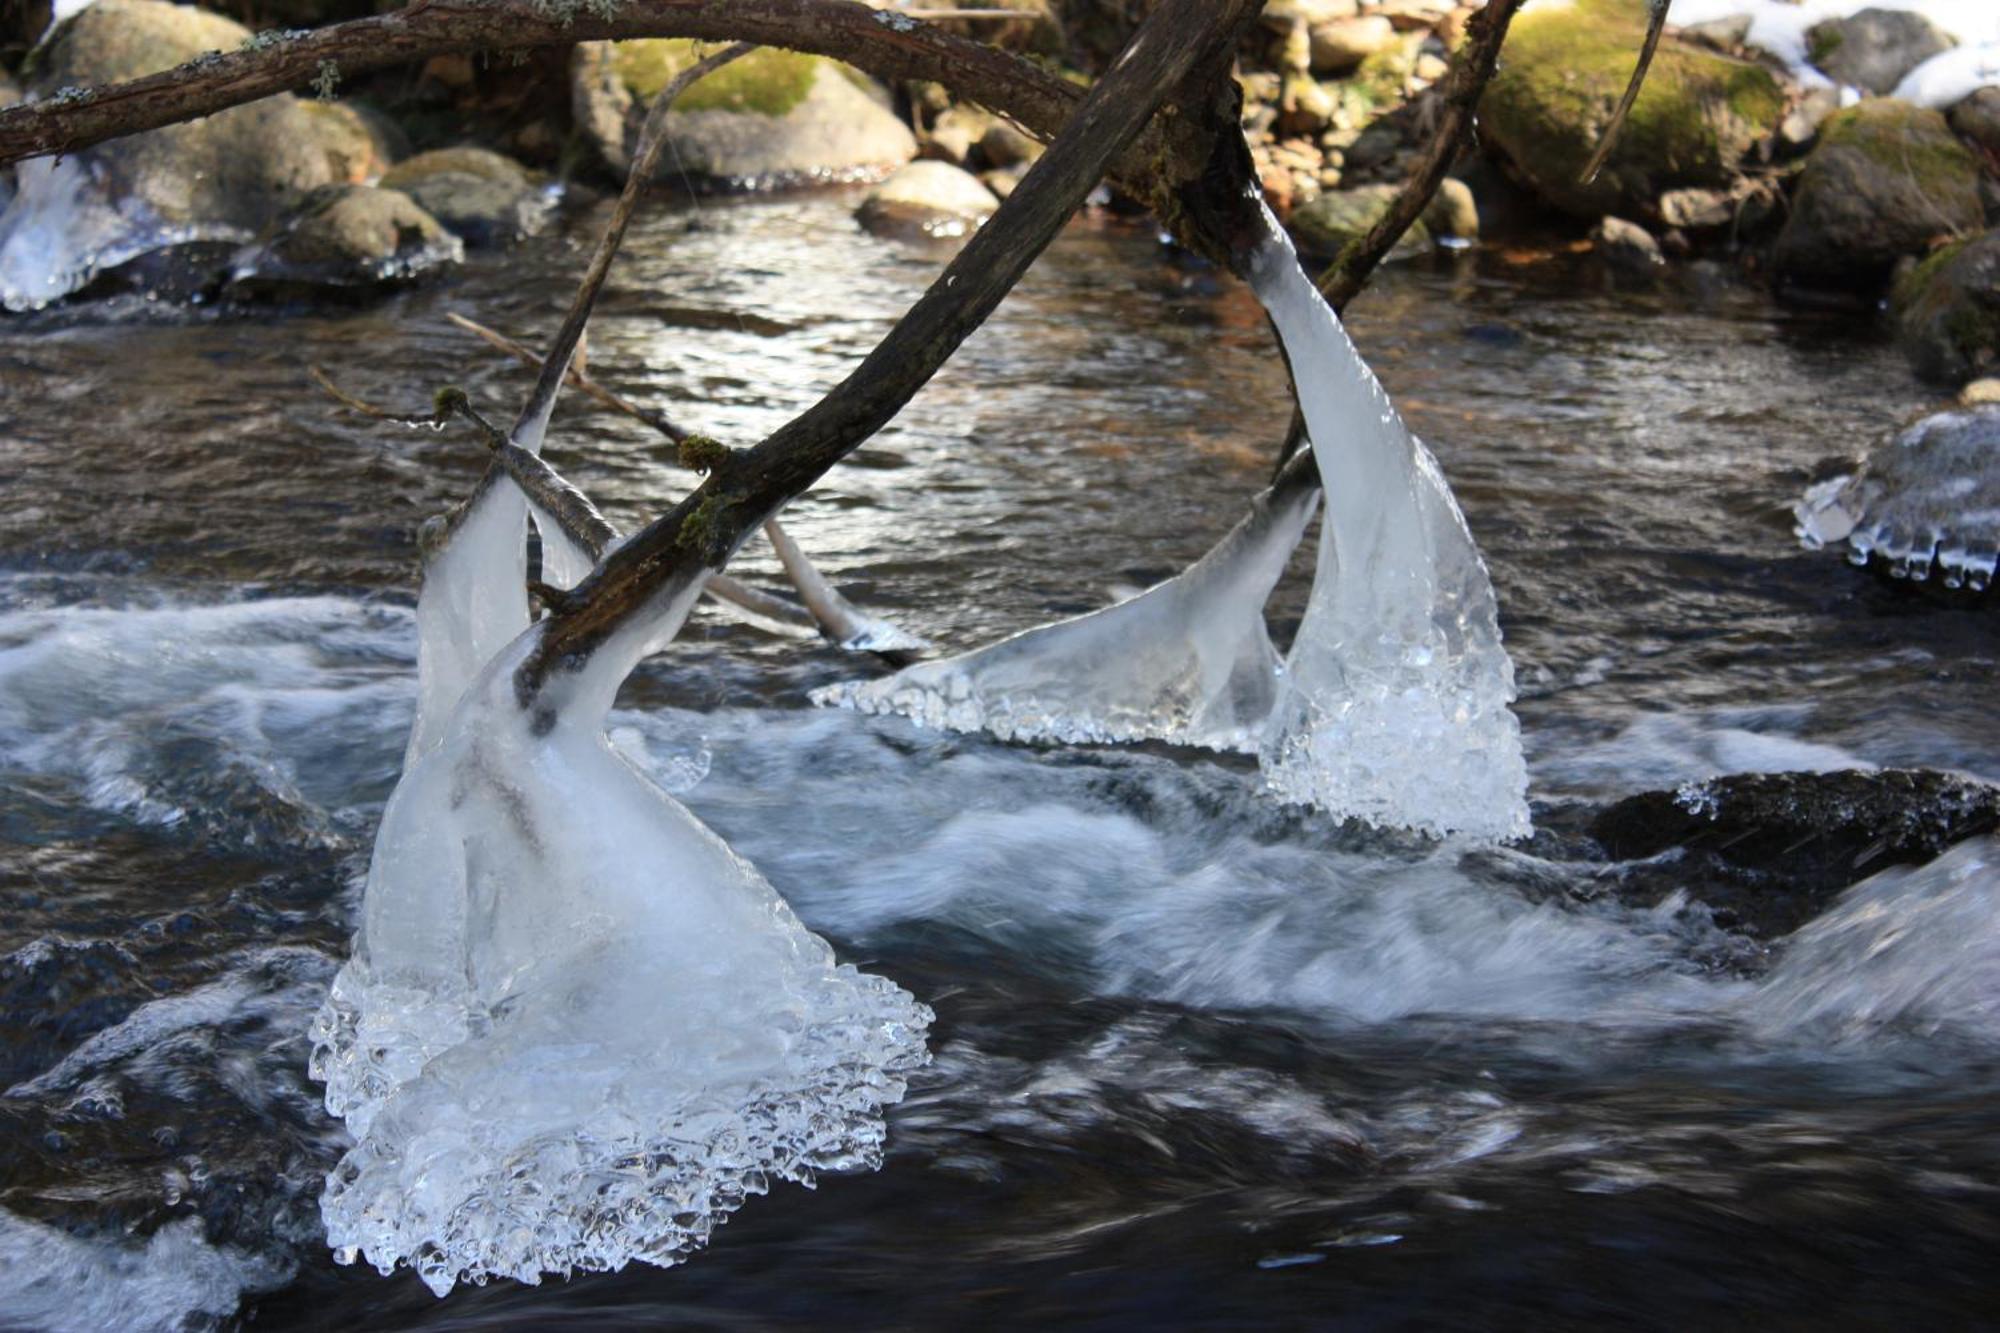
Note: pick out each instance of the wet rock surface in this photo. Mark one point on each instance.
(348, 238)
(1948, 311)
(1886, 180)
(1767, 851)
(480, 196)
(927, 198)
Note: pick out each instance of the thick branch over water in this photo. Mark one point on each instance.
(1178, 39)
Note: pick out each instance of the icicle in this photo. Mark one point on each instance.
(1187, 661)
(474, 601)
(1394, 705)
(577, 1029)
(564, 563)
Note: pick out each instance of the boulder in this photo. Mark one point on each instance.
(1626, 246)
(224, 178)
(955, 133)
(1924, 507)
(348, 238)
(927, 198)
(360, 146)
(1284, 15)
(771, 118)
(480, 196)
(1565, 66)
(1770, 850)
(1872, 50)
(1947, 311)
(1007, 145)
(1977, 119)
(1887, 179)
(1325, 225)
(1340, 45)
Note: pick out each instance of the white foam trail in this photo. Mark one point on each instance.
(58, 1283)
(1187, 661)
(1394, 705)
(1914, 950)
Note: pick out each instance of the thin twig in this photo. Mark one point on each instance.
(1655, 25)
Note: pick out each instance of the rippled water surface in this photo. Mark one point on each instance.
(1200, 1060)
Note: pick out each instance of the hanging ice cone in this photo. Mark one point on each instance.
(1394, 704)
(577, 1029)
(1186, 661)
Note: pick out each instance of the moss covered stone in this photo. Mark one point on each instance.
(771, 117)
(1887, 179)
(1560, 78)
(1948, 311)
(767, 82)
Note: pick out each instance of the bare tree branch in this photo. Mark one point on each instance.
(1177, 39)
(1656, 23)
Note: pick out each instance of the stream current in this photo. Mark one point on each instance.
(1200, 1059)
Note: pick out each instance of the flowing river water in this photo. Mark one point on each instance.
(1201, 1059)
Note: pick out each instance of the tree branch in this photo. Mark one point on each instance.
(1179, 37)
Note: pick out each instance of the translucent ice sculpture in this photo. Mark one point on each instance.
(1394, 704)
(576, 1029)
(1929, 497)
(1186, 661)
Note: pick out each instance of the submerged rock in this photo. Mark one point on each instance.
(221, 179)
(771, 118)
(346, 238)
(928, 198)
(1565, 66)
(1872, 50)
(1927, 501)
(481, 197)
(1769, 850)
(1887, 179)
(1948, 311)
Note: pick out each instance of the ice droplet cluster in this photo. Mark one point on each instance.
(1394, 707)
(577, 1029)
(1187, 661)
(1928, 500)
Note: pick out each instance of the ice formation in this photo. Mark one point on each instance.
(577, 1029)
(1394, 704)
(1930, 497)
(1187, 661)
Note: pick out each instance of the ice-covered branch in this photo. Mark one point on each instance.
(1174, 53)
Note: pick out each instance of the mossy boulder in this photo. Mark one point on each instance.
(1977, 118)
(1887, 179)
(226, 177)
(1948, 311)
(346, 238)
(1698, 118)
(481, 196)
(771, 117)
(1325, 225)
(927, 198)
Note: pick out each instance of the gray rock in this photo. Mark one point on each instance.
(225, 178)
(1281, 15)
(1873, 49)
(1770, 850)
(1339, 46)
(1724, 34)
(360, 144)
(772, 117)
(955, 133)
(1978, 118)
(480, 196)
(1006, 145)
(1627, 246)
(1697, 209)
(1886, 180)
(1948, 311)
(348, 237)
(1323, 226)
(927, 198)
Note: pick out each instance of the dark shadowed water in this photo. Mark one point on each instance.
(1200, 1060)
